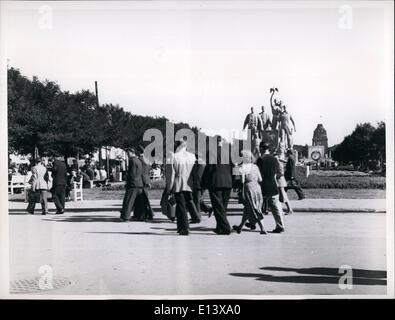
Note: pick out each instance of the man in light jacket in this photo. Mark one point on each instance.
(181, 184)
(39, 182)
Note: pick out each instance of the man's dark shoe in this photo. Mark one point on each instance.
(123, 220)
(60, 212)
(44, 213)
(136, 219)
(184, 233)
(250, 225)
(221, 232)
(30, 212)
(237, 229)
(278, 230)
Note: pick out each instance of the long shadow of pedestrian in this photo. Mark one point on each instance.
(320, 275)
(95, 218)
(98, 218)
(193, 229)
(359, 273)
(190, 229)
(136, 233)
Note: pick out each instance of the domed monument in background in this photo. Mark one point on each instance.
(318, 152)
(320, 137)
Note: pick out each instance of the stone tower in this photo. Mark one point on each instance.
(320, 138)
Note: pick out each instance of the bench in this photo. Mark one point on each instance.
(17, 182)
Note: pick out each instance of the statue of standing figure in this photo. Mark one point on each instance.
(265, 118)
(285, 128)
(281, 122)
(254, 122)
(278, 131)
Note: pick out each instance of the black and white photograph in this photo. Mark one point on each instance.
(197, 150)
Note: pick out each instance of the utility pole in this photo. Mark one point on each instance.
(97, 105)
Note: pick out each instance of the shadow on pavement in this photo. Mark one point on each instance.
(319, 275)
(94, 218)
(137, 233)
(97, 218)
(358, 273)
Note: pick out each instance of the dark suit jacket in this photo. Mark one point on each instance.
(134, 176)
(217, 176)
(289, 169)
(197, 175)
(146, 175)
(59, 173)
(268, 166)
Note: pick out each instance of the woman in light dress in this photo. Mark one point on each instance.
(252, 192)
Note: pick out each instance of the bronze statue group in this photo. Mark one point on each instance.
(261, 178)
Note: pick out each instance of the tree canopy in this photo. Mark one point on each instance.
(365, 145)
(41, 115)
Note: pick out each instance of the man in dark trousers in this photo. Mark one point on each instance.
(269, 167)
(197, 173)
(148, 212)
(289, 175)
(59, 182)
(217, 178)
(181, 184)
(134, 189)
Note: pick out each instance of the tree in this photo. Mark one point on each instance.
(363, 146)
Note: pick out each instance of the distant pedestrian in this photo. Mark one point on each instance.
(40, 185)
(134, 189)
(282, 183)
(59, 176)
(148, 212)
(289, 175)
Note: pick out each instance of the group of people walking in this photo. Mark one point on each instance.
(188, 176)
(41, 181)
(264, 183)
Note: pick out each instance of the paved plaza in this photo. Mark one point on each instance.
(97, 254)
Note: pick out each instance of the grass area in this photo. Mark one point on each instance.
(98, 194)
(339, 180)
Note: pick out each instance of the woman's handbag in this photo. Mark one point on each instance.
(168, 205)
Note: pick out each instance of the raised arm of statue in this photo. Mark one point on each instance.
(246, 121)
(293, 122)
(271, 100)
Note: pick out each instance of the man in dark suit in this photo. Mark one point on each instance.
(198, 190)
(148, 212)
(289, 175)
(134, 189)
(269, 167)
(59, 176)
(217, 178)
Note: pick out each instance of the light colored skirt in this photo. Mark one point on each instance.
(253, 201)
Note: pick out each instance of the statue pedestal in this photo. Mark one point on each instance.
(270, 137)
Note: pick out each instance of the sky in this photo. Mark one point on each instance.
(208, 63)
